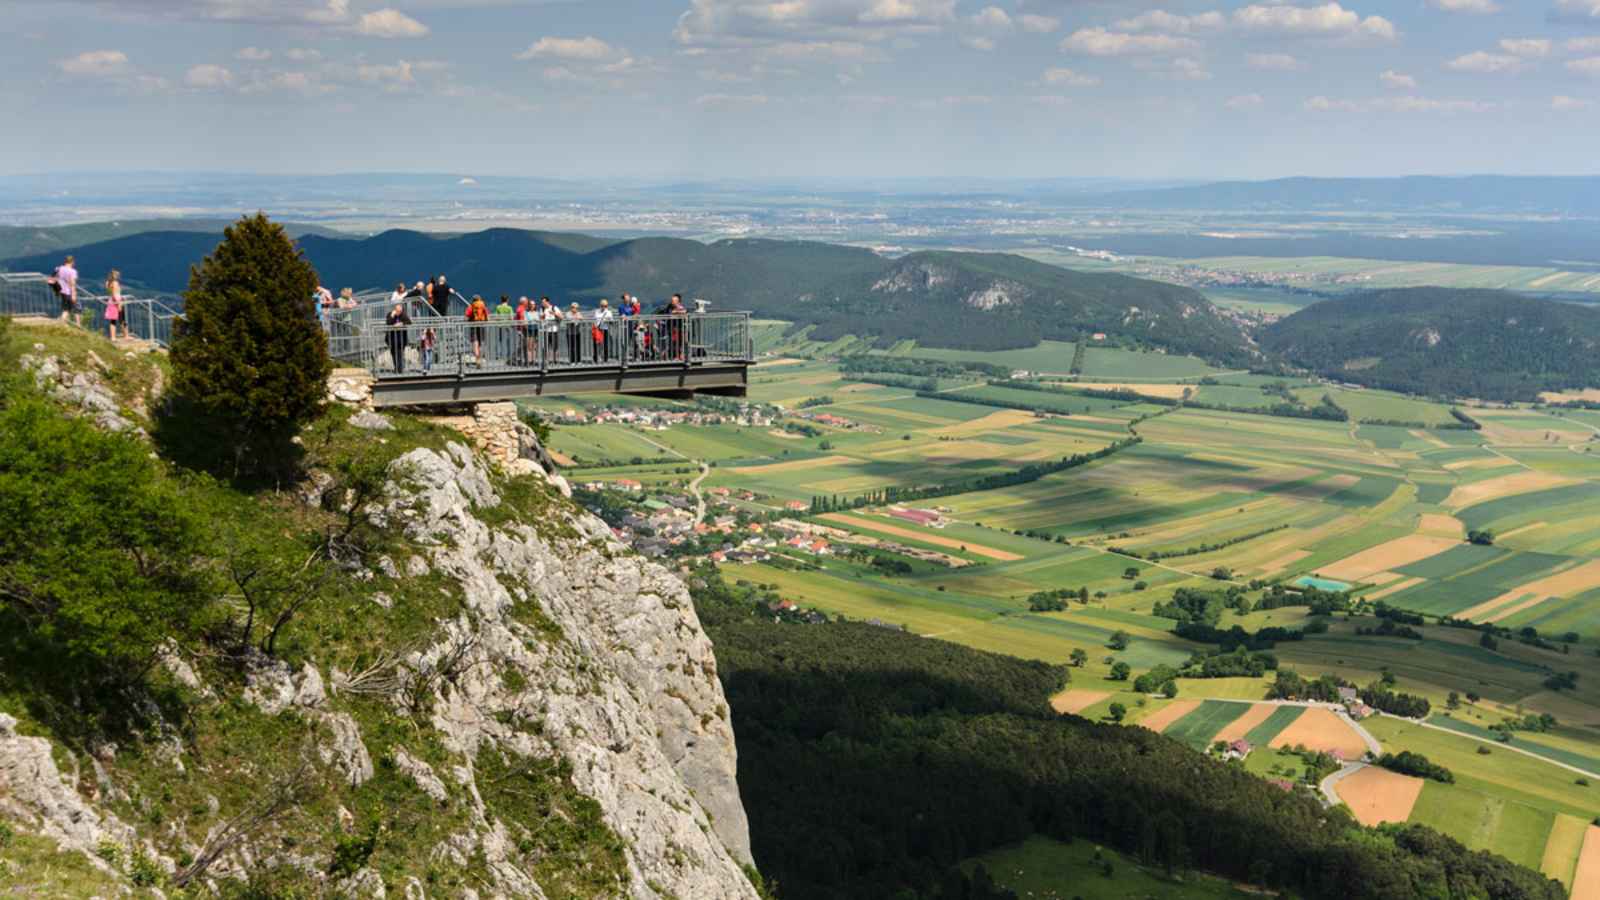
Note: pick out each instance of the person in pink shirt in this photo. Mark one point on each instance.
(115, 312)
(66, 281)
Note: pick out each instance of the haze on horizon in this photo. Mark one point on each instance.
(806, 88)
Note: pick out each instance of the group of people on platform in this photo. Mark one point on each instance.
(538, 332)
(63, 282)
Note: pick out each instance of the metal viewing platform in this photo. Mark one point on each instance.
(447, 359)
(441, 359)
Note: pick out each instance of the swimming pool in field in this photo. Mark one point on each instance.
(1321, 584)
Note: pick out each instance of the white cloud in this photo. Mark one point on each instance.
(1583, 45)
(992, 17)
(253, 54)
(1050, 100)
(95, 63)
(286, 82)
(584, 49)
(1171, 23)
(1402, 105)
(208, 77)
(1477, 7)
(1038, 24)
(390, 76)
(1320, 103)
(1527, 48)
(1397, 80)
(742, 22)
(1563, 103)
(1068, 78)
(1328, 20)
(390, 23)
(1587, 66)
(1244, 101)
(986, 27)
(303, 54)
(1100, 42)
(1485, 63)
(1273, 62)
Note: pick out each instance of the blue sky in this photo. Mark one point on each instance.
(805, 88)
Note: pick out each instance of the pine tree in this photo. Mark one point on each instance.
(248, 355)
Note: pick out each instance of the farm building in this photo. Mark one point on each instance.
(1239, 749)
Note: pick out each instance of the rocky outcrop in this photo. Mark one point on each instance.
(620, 676)
(85, 391)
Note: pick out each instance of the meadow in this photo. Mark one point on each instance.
(1206, 500)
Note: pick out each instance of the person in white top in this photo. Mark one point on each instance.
(399, 295)
(602, 331)
(66, 280)
(549, 316)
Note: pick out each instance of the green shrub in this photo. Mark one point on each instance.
(97, 559)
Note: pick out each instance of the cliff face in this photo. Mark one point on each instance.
(509, 703)
(627, 690)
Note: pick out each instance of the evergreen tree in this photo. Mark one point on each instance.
(248, 356)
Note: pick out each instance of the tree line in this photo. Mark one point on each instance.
(872, 761)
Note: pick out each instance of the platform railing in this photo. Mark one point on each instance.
(29, 294)
(503, 345)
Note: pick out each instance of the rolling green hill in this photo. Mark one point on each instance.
(25, 240)
(1466, 343)
(941, 299)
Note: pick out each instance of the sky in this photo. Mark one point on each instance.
(804, 88)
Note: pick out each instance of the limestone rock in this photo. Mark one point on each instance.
(628, 691)
(422, 774)
(371, 421)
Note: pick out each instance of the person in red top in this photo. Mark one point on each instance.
(478, 311)
(526, 335)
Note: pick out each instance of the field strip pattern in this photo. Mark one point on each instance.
(1076, 701)
(1586, 880)
(1321, 729)
(1376, 795)
(1564, 846)
(1240, 728)
(1162, 719)
(1281, 718)
(1388, 556)
(936, 540)
(1199, 727)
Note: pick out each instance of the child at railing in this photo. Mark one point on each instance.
(114, 310)
(429, 339)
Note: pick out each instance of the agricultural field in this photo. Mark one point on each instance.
(1207, 500)
(1515, 805)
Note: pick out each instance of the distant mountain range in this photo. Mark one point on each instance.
(1577, 195)
(1445, 341)
(943, 299)
(17, 241)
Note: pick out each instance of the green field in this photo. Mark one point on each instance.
(1044, 869)
(1263, 497)
(1202, 724)
(1502, 801)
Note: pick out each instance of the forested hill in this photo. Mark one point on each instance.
(1466, 343)
(946, 299)
(872, 760)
